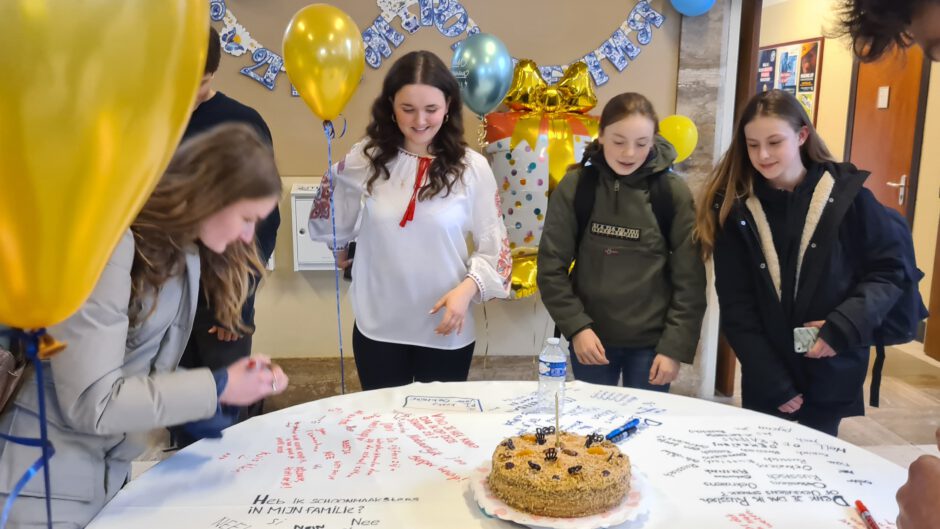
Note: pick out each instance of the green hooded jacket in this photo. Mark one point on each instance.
(627, 286)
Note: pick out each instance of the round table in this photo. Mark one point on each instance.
(401, 457)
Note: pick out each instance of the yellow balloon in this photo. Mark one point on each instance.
(523, 276)
(324, 56)
(680, 131)
(94, 99)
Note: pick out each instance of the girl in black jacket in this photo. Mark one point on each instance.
(797, 242)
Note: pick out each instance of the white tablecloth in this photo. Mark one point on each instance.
(401, 457)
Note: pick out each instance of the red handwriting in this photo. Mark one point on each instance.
(749, 520)
(425, 447)
(292, 476)
(373, 446)
(336, 468)
(254, 462)
(314, 440)
(422, 462)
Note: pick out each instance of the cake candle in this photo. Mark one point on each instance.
(557, 428)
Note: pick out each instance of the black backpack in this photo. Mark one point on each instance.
(586, 193)
(901, 324)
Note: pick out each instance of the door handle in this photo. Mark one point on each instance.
(901, 187)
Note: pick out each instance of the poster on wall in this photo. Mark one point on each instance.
(766, 70)
(794, 67)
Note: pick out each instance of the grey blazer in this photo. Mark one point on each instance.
(103, 394)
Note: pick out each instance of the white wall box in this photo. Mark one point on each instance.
(308, 255)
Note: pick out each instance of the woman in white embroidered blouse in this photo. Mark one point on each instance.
(410, 193)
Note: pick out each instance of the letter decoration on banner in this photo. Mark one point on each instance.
(268, 62)
(452, 20)
(216, 10)
(530, 148)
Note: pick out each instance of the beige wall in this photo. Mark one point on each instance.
(789, 20)
(927, 209)
(792, 20)
(296, 313)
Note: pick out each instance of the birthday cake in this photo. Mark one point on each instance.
(564, 475)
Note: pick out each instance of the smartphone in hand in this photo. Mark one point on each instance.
(350, 253)
(804, 338)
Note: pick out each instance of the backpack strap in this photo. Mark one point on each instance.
(584, 196)
(663, 207)
(875, 390)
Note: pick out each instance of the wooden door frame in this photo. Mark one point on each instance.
(746, 88)
(933, 303)
(914, 176)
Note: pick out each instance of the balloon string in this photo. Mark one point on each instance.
(31, 339)
(330, 135)
(481, 133)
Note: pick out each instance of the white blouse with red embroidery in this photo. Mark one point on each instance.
(410, 252)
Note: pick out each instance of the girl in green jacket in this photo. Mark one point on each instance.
(633, 305)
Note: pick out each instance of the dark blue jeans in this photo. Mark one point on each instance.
(633, 364)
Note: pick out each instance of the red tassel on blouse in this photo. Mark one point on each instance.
(423, 164)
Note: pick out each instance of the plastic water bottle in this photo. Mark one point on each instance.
(553, 366)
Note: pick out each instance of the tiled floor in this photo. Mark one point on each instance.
(900, 430)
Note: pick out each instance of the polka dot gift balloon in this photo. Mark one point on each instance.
(530, 149)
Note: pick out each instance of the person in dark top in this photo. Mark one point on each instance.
(633, 305)
(797, 243)
(211, 344)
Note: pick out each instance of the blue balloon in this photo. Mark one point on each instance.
(483, 68)
(693, 8)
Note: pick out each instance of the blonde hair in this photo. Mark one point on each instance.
(733, 178)
(208, 173)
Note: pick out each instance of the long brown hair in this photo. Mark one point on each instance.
(733, 178)
(209, 172)
(621, 106)
(385, 138)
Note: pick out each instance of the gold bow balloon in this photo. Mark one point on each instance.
(559, 112)
(530, 92)
(556, 110)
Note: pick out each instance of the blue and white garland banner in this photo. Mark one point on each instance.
(451, 19)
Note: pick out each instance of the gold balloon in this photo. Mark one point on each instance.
(578, 90)
(324, 56)
(574, 93)
(94, 98)
(552, 99)
(557, 111)
(523, 277)
(527, 85)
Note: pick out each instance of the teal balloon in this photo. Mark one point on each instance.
(693, 8)
(483, 68)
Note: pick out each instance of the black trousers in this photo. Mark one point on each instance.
(385, 365)
(829, 425)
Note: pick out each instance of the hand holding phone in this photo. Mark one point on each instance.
(804, 338)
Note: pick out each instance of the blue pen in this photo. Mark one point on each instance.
(631, 425)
